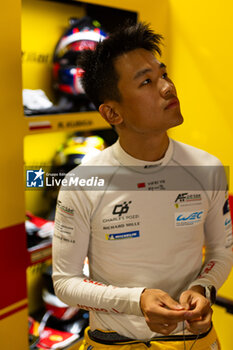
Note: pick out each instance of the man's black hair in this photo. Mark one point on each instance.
(100, 79)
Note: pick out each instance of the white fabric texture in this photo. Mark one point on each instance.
(150, 236)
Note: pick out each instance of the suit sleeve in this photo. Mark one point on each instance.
(218, 236)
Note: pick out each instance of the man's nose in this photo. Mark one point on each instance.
(168, 89)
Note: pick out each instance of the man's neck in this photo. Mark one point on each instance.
(144, 147)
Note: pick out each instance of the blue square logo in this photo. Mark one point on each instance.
(35, 178)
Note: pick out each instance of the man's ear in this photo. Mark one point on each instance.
(110, 113)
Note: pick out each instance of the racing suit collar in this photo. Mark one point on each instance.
(140, 165)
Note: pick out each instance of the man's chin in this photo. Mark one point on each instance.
(181, 120)
(177, 121)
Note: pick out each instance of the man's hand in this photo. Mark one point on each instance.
(199, 316)
(161, 312)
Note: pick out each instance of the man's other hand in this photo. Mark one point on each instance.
(199, 316)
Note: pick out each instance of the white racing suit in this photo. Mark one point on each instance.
(145, 228)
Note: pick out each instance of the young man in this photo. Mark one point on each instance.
(144, 233)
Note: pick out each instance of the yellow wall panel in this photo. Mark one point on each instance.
(11, 148)
(14, 331)
(201, 66)
(223, 322)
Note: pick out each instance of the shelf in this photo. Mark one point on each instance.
(40, 252)
(80, 121)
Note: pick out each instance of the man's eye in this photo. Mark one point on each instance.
(164, 76)
(146, 82)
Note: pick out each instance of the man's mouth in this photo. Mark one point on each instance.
(173, 103)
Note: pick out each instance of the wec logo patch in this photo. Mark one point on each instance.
(188, 218)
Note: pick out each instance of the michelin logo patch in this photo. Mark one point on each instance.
(125, 235)
(188, 218)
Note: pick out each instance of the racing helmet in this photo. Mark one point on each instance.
(83, 34)
(77, 149)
